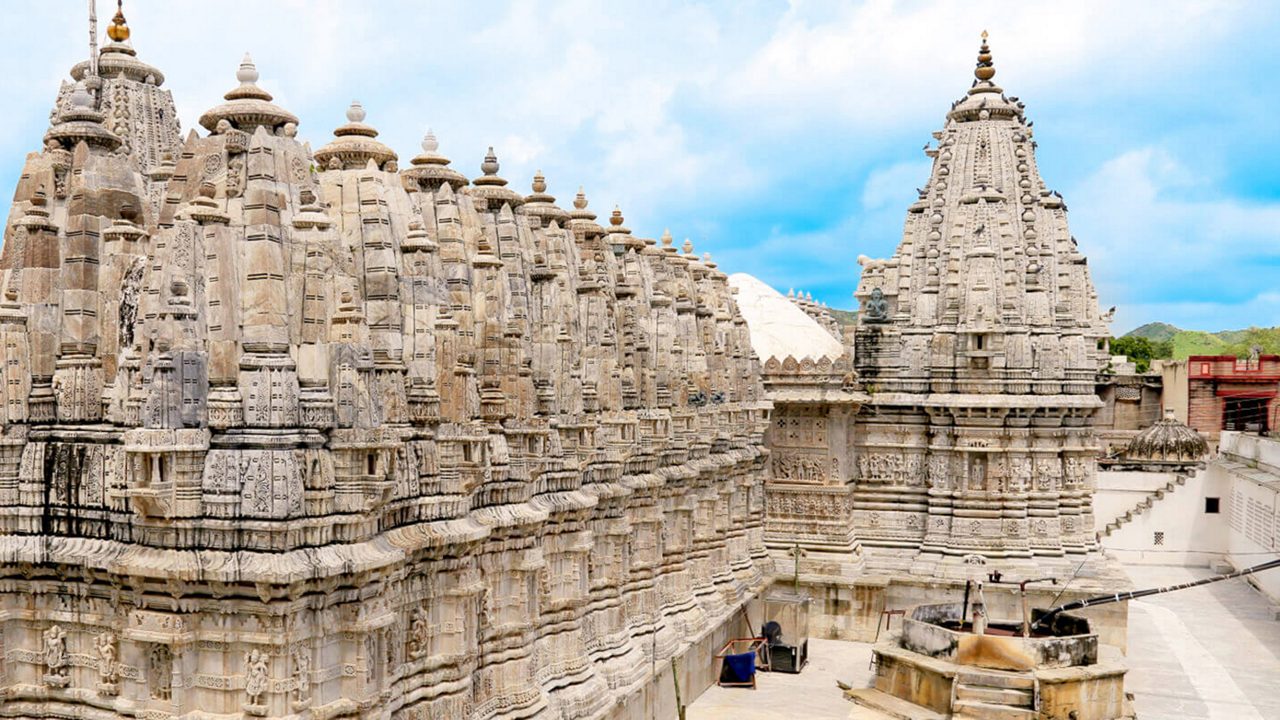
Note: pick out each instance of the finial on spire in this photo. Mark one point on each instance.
(248, 72)
(118, 31)
(688, 246)
(356, 113)
(490, 164)
(539, 182)
(429, 142)
(985, 70)
(580, 202)
(666, 238)
(616, 218)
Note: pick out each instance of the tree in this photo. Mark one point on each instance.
(1141, 350)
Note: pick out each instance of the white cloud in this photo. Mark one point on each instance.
(876, 63)
(1166, 245)
(751, 127)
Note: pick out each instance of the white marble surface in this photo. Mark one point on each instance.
(778, 327)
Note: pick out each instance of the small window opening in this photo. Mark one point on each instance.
(1212, 505)
(1159, 538)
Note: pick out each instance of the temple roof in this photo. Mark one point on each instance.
(119, 58)
(1168, 440)
(431, 169)
(778, 328)
(987, 277)
(354, 145)
(248, 106)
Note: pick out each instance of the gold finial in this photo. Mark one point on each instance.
(118, 31)
(985, 70)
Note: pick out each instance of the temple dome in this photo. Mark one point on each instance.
(80, 121)
(493, 188)
(248, 106)
(1168, 440)
(581, 218)
(354, 144)
(542, 205)
(778, 327)
(119, 58)
(431, 169)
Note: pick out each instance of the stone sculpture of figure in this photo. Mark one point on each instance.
(301, 675)
(160, 672)
(108, 671)
(255, 681)
(877, 307)
(55, 655)
(418, 633)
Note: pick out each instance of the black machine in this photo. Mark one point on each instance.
(783, 657)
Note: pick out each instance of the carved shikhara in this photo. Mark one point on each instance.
(287, 432)
(978, 344)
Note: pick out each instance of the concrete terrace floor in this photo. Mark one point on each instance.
(811, 695)
(1207, 653)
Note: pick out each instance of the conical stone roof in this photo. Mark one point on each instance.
(1168, 440)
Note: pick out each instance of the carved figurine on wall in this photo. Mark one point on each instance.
(877, 309)
(419, 633)
(108, 669)
(301, 677)
(255, 682)
(55, 657)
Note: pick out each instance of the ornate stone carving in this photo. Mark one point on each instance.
(108, 666)
(55, 657)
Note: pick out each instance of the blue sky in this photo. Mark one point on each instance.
(783, 138)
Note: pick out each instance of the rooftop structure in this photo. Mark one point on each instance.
(978, 342)
(296, 434)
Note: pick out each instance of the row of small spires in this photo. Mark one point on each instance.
(805, 296)
(81, 101)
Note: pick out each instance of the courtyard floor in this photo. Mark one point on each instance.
(1207, 653)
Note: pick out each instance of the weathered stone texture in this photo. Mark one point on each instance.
(978, 342)
(287, 432)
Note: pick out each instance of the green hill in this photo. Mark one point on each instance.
(1155, 332)
(1170, 341)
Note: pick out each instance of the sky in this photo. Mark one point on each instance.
(784, 138)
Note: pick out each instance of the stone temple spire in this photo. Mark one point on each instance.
(354, 144)
(248, 106)
(982, 324)
(430, 169)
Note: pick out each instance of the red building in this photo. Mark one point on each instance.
(1229, 393)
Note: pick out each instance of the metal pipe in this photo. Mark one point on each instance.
(1134, 594)
(1026, 607)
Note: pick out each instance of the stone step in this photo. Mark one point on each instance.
(996, 679)
(995, 695)
(886, 706)
(988, 711)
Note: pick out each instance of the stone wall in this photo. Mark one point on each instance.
(291, 432)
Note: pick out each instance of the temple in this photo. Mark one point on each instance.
(296, 433)
(979, 343)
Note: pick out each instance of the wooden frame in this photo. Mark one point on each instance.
(738, 646)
